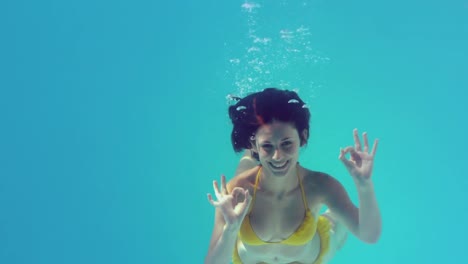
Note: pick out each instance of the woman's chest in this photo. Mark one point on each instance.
(274, 220)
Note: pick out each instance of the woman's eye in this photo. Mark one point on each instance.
(287, 144)
(266, 147)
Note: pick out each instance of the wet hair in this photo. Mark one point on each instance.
(264, 107)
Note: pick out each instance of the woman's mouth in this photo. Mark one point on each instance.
(279, 166)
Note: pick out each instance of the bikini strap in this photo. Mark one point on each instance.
(304, 199)
(257, 179)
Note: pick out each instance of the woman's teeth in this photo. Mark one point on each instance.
(282, 166)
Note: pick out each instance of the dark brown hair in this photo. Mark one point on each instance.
(259, 108)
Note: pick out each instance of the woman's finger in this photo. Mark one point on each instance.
(223, 184)
(348, 163)
(236, 191)
(357, 142)
(366, 142)
(344, 151)
(374, 148)
(341, 154)
(353, 153)
(210, 199)
(216, 190)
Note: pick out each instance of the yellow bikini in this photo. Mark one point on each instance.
(303, 234)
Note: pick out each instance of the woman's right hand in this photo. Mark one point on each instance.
(231, 205)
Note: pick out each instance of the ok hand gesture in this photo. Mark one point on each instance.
(361, 161)
(232, 209)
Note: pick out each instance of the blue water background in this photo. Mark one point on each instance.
(114, 121)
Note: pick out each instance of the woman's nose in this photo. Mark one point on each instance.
(277, 154)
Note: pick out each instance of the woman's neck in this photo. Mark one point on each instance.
(279, 186)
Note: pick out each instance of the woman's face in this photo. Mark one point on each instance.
(278, 146)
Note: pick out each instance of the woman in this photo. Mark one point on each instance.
(270, 211)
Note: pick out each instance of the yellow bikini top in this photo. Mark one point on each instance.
(304, 233)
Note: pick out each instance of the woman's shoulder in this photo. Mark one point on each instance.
(245, 179)
(318, 186)
(317, 181)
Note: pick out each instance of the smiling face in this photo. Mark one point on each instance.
(278, 147)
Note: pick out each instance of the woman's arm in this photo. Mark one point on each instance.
(370, 220)
(224, 236)
(232, 205)
(222, 242)
(364, 222)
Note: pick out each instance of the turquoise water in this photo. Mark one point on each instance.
(114, 120)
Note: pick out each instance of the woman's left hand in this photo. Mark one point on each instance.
(361, 161)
